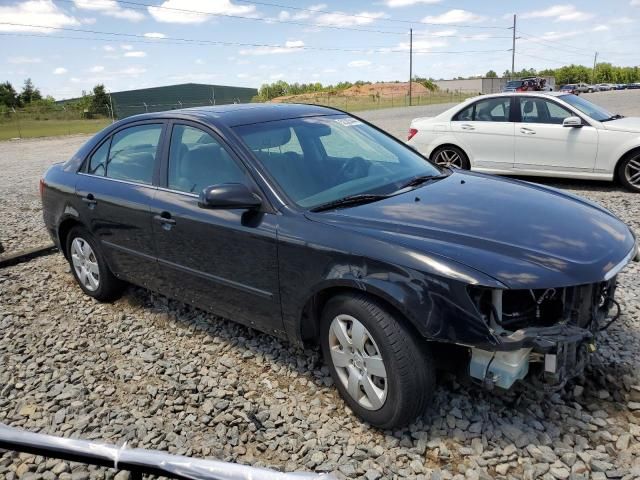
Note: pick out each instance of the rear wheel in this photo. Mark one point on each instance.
(629, 172)
(383, 373)
(90, 268)
(451, 157)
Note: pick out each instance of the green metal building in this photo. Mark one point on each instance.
(171, 97)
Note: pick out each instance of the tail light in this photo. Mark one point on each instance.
(412, 133)
(520, 89)
(41, 187)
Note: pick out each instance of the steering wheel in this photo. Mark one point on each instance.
(355, 167)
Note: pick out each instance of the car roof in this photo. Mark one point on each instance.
(535, 93)
(242, 113)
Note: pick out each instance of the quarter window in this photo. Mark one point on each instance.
(489, 110)
(133, 153)
(98, 161)
(197, 160)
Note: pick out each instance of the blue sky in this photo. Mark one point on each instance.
(143, 43)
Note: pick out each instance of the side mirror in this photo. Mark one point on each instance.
(228, 196)
(572, 122)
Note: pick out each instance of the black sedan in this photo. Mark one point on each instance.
(315, 226)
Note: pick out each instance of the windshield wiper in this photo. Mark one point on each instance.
(613, 117)
(420, 179)
(349, 200)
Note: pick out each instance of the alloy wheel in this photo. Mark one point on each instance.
(358, 362)
(448, 158)
(632, 171)
(85, 264)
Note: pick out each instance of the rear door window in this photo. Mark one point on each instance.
(133, 152)
(489, 110)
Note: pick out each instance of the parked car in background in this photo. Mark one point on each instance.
(570, 88)
(604, 87)
(527, 84)
(310, 224)
(583, 88)
(554, 134)
(633, 86)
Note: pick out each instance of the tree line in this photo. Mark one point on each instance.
(603, 73)
(96, 102)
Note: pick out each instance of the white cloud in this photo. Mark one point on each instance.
(408, 3)
(454, 16)
(60, 71)
(22, 60)
(359, 63)
(199, 61)
(126, 47)
(290, 46)
(173, 11)
(600, 28)
(243, 75)
(135, 54)
(35, 12)
(560, 35)
(340, 19)
(419, 46)
(111, 8)
(155, 35)
(622, 20)
(108, 48)
(560, 13)
(276, 76)
(97, 69)
(635, 3)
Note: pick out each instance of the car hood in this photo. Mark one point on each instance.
(523, 235)
(627, 124)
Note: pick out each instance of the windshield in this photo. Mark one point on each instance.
(588, 108)
(317, 160)
(515, 83)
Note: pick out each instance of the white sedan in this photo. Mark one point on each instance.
(550, 134)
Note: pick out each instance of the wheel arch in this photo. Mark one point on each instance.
(64, 228)
(623, 157)
(451, 144)
(309, 320)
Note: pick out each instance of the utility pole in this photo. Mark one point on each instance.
(593, 73)
(513, 48)
(410, 61)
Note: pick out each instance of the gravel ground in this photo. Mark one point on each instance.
(161, 375)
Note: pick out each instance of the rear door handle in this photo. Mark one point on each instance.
(467, 127)
(165, 220)
(527, 131)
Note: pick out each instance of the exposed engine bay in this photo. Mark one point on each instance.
(545, 334)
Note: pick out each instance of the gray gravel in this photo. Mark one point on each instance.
(158, 374)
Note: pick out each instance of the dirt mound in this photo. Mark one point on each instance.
(382, 89)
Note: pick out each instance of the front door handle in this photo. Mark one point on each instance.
(90, 200)
(527, 131)
(466, 126)
(165, 220)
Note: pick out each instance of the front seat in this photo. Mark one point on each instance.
(484, 114)
(527, 111)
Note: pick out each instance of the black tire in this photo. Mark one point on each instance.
(627, 169)
(464, 159)
(410, 378)
(109, 287)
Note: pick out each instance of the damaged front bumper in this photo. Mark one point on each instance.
(545, 335)
(553, 355)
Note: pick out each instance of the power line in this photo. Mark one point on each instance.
(554, 43)
(293, 22)
(183, 41)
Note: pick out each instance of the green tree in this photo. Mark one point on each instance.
(29, 92)
(491, 74)
(8, 96)
(99, 100)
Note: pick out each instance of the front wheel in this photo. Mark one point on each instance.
(382, 371)
(451, 157)
(90, 268)
(629, 172)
